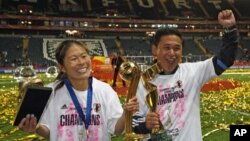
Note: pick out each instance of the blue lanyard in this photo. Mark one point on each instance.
(86, 119)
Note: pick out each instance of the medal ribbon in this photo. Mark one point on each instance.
(86, 119)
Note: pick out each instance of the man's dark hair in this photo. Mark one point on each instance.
(166, 31)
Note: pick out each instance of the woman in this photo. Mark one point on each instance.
(81, 107)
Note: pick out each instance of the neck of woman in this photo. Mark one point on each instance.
(80, 85)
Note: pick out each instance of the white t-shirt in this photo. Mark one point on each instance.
(179, 99)
(62, 118)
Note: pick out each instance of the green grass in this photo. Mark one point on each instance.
(218, 109)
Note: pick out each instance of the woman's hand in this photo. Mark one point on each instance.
(132, 105)
(29, 124)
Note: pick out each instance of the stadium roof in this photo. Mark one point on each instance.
(145, 9)
(120, 15)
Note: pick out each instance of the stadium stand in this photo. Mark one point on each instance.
(104, 20)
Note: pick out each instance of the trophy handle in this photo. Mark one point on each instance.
(152, 96)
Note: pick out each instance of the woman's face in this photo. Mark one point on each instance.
(77, 63)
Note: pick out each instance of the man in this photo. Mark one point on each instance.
(178, 86)
(116, 62)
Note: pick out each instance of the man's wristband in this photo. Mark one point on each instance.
(230, 29)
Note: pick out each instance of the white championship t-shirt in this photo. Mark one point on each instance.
(179, 99)
(62, 118)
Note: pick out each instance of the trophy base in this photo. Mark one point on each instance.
(160, 136)
(135, 137)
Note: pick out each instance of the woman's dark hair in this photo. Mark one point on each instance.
(164, 32)
(61, 51)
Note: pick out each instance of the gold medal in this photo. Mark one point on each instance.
(82, 135)
(87, 133)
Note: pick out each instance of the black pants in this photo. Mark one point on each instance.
(115, 78)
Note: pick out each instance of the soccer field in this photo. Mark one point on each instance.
(219, 109)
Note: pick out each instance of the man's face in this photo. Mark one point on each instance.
(168, 52)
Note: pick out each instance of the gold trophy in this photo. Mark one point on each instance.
(23, 85)
(129, 71)
(152, 95)
(158, 134)
(26, 77)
